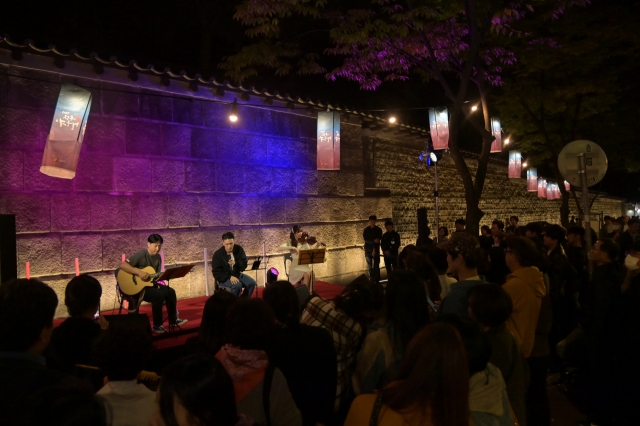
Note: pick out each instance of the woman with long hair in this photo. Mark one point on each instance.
(382, 351)
(298, 273)
(431, 388)
(212, 334)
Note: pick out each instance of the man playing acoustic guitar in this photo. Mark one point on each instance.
(158, 294)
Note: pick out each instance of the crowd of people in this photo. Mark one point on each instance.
(464, 331)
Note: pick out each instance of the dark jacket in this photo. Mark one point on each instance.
(369, 234)
(626, 242)
(222, 271)
(72, 343)
(457, 300)
(603, 289)
(391, 241)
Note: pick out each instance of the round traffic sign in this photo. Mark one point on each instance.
(595, 160)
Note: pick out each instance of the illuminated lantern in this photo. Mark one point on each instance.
(550, 191)
(439, 125)
(567, 186)
(515, 164)
(542, 188)
(328, 140)
(532, 179)
(496, 131)
(60, 158)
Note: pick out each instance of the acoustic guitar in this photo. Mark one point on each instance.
(132, 284)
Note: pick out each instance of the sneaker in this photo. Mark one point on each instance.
(180, 322)
(159, 329)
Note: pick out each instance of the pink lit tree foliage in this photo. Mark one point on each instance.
(387, 40)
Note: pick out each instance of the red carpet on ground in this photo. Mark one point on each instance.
(191, 309)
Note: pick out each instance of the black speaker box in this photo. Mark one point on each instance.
(139, 320)
(8, 252)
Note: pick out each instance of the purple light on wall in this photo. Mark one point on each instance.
(496, 130)
(60, 157)
(328, 141)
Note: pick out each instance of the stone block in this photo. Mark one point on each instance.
(328, 182)
(244, 210)
(287, 153)
(258, 179)
(351, 136)
(188, 111)
(351, 159)
(230, 177)
(143, 138)
(32, 211)
(212, 240)
(167, 175)
(368, 206)
(88, 250)
(284, 181)
(204, 144)
(120, 100)
(251, 241)
(272, 210)
(70, 212)
(343, 209)
(232, 147)
(115, 244)
(42, 252)
(217, 115)
(104, 135)
(27, 89)
(110, 212)
(155, 106)
(197, 281)
(184, 211)
(133, 174)
(108, 283)
(176, 141)
(351, 184)
(11, 174)
(185, 246)
(36, 181)
(200, 176)
(303, 210)
(24, 129)
(149, 212)
(94, 173)
(307, 182)
(385, 207)
(58, 285)
(288, 125)
(273, 237)
(308, 127)
(256, 152)
(268, 121)
(214, 210)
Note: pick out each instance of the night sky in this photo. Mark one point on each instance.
(170, 33)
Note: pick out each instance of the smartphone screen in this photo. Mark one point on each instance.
(433, 305)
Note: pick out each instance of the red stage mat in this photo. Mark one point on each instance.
(191, 309)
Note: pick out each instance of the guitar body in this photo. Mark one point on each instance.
(132, 285)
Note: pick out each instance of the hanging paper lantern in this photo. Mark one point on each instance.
(439, 125)
(550, 191)
(542, 188)
(567, 186)
(515, 164)
(532, 179)
(62, 150)
(496, 131)
(328, 140)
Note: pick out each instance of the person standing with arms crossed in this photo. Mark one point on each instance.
(390, 245)
(372, 235)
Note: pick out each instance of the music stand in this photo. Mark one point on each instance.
(171, 274)
(255, 267)
(311, 257)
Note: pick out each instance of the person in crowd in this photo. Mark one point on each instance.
(443, 234)
(629, 236)
(488, 399)
(525, 286)
(372, 236)
(405, 254)
(509, 230)
(158, 295)
(424, 240)
(27, 308)
(490, 305)
(497, 233)
(346, 318)
(607, 230)
(534, 231)
(460, 225)
(498, 270)
(632, 265)
(513, 221)
(304, 354)
(577, 257)
(298, 273)
(419, 263)
(213, 326)
(390, 244)
(406, 313)
(72, 342)
(261, 390)
(463, 256)
(122, 353)
(437, 256)
(431, 388)
(228, 264)
(196, 391)
(486, 241)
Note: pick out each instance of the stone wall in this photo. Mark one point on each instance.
(155, 162)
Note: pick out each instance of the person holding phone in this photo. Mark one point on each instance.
(228, 264)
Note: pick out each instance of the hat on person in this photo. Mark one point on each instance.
(373, 217)
(462, 243)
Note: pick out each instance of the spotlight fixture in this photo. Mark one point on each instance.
(272, 275)
(506, 141)
(233, 117)
(392, 119)
(474, 108)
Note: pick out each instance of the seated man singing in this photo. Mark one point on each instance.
(228, 263)
(158, 294)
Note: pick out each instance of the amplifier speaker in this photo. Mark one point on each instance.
(8, 251)
(138, 320)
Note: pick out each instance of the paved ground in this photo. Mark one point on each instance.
(563, 412)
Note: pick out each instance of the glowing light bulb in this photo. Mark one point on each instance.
(392, 120)
(474, 108)
(524, 164)
(506, 141)
(233, 118)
